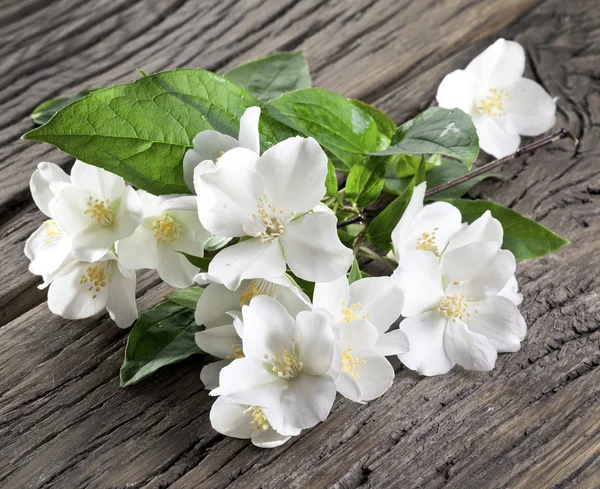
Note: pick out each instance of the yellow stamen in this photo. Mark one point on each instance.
(258, 287)
(353, 312)
(427, 241)
(259, 420)
(96, 277)
(286, 364)
(166, 229)
(457, 307)
(350, 364)
(53, 232)
(492, 105)
(99, 211)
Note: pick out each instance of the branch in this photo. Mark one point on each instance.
(530, 148)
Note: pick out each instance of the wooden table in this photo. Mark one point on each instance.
(534, 422)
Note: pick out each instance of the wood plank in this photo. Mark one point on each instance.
(533, 422)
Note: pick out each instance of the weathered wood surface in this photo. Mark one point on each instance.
(532, 422)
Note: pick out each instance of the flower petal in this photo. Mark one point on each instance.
(268, 328)
(331, 296)
(249, 136)
(484, 228)
(176, 270)
(375, 375)
(393, 343)
(215, 302)
(457, 90)
(268, 438)
(220, 342)
(92, 243)
(500, 64)
(400, 232)
(47, 248)
(511, 291)
(313, 249)
(228, 418)
(97, 182)
(315, 342)
(208, 145)
(140, 250)
(432, 227)
(500, 322)
(209, 375)
(427, 354)
(46, 174)
(247, 259)
(381, 299)
(129, 215)
(308, 400)
(251, 383)
(180, 203)
(69, 210)
(348, 386)
(493, 139)
(121, 304)
(470, 350)
(419, 279)
(294, 172)
(357, 334)
(530, 110)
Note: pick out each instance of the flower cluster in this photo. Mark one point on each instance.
(283, 350)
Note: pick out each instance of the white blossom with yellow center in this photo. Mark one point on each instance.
(95, 210)
(161, 239)
(286, 368)
(460, 308)
(502, 103)
(269, 202)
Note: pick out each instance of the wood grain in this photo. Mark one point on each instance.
(533, 422)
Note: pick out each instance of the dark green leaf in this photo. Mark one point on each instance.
(307, 287)
(365, 180)
(524, 237)
(43, 112)
(272, 76)
(198, 261)
(354, 273)
(141, 130)
(161, 336)
(331, 185)
(336, 123)
(437, 131)
(186, 297)
(380, 229)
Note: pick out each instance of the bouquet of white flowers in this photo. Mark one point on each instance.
(265, 191)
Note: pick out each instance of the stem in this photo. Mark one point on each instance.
(530, 148)
(375, 256)
(352, 220)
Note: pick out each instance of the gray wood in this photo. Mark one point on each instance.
(532, 422)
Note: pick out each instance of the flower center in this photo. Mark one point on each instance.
(286, 364)
(259, 420)
(271, 219)
(427, 241)
(350, 364)
(53, 232)
(492, 105)
(353, 312)
(237, 352)
(258, 287)
(99, 211)
(95, 276)
(457, 307)
(166, 229)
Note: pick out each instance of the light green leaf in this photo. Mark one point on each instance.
(272, 76)
(524, 237)
(337, 124)
(437, 131)
(161, 336)
(43, 112)
(331, 185)
(354, 273)
(385, 125)
(141, 130)
(365, 180)
(186, 297)
(198, 261)
(379, 232)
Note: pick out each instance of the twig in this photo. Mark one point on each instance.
(381, 259)
(352, 220)
(560, 134)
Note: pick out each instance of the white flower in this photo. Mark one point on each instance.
(269, 200)
(159, 239)
(426, 228)
(501, 102)
(96, 210)
(285, 368)
(48, 247)
(218, 310)
(243, 421)
(362, 313)
(81, 289)
(454, 311)
(210, 145)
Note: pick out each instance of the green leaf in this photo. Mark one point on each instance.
(141, 130)
(337, 124)
(386, 126)
(524, 237)
(43, 112)
(437, 131)
(186, 297)
(331, 185)
(379, 232)
(272, 76)
(407, 165)
(365, 180)
(161, 336)
(304, 285)
(354, 273)
(197, 261)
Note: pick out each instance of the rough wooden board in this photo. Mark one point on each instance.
(533, 422)
(358, 49)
